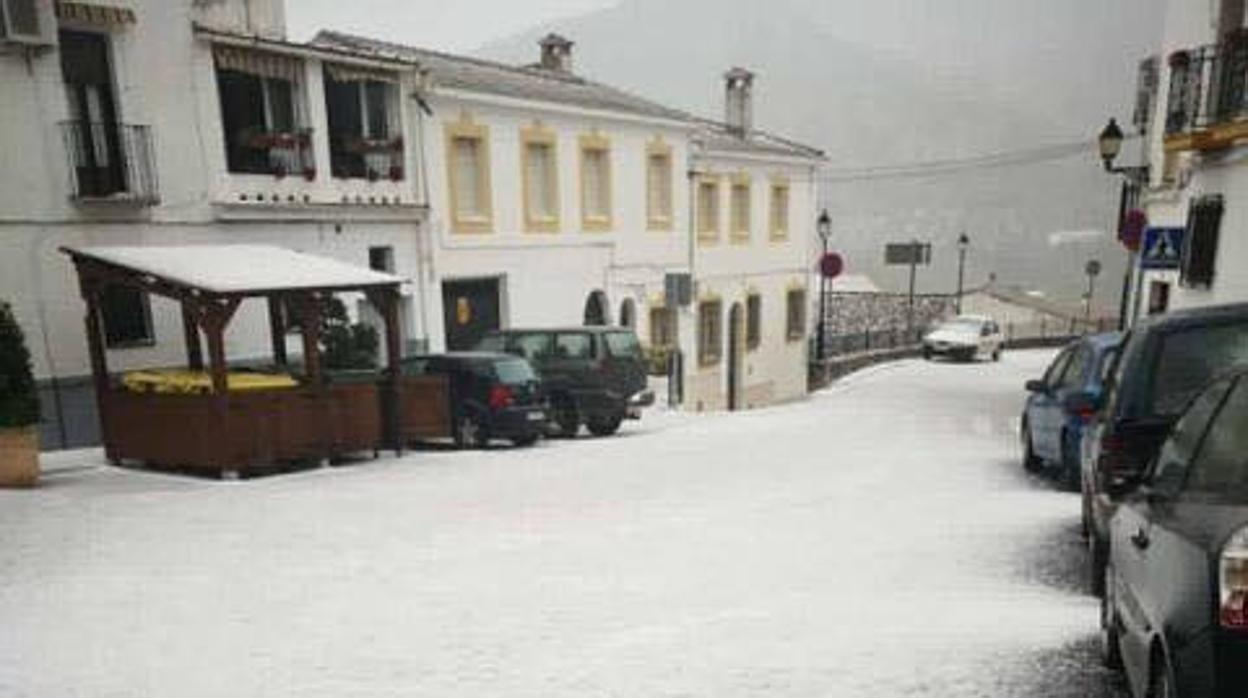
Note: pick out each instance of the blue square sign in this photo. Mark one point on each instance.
(1162, 248)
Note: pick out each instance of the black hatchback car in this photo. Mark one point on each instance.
(1175, 610)
(492, 396)
(1163, 363)
(594, 376)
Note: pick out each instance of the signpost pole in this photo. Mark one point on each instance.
(914, 268)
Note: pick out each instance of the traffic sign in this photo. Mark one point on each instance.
(831, 265)
(1132, 229)
(908, 253)
(1163, 248)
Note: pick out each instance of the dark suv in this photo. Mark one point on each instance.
(492, 396)
(592, 375)
(1164, 362)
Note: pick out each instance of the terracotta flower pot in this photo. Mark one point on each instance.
(19, 456)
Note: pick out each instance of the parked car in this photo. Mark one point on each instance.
(965, 338)
(492, 396)
(1175, 612)
(1164, 361)
(594, 376)
(1060, 405)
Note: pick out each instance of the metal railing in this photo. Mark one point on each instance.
(111, 162)
(1208, 86)
(357, 158)
(280, 154)
(849, 343)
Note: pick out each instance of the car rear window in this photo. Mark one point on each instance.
(574, 345)
(623, 345)
(515, 372)
(1190, 359)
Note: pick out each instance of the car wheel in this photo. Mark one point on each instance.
(1159, 683)
(996, 354)
(470, 432)
(525, 441)
(1098, 560)
(604, 426)
(1111, 651)
(1031, 462)
(927, 354)
(565, 416)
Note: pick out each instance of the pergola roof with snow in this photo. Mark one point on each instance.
(237, 269)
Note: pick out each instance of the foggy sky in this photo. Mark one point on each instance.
(448, 25)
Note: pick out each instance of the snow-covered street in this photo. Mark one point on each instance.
(879, 539)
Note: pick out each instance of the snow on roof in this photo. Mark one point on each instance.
(238, 268)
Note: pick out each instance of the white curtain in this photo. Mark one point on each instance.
(467, 175)
(541, 180)
(596, 197)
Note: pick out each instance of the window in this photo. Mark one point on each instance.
(362, 112)
(1222, 465)
(578, 345)
(795, 314)
(1185, 438)
(710, 332)
(127, 315)
(1147, 82)
(708, 210)
(659, 188)
(531, 346)
(515, 372)
(740, 211)
(19, 18)
(622, 345)
(1191, 358)
(381, 259)
(662, 332)
(595, 184)
(468, 174)
(753, 321)
(540, 178)
(1073, 376)
(1158, 297)
(779, 211)
(1200, 253)
(1058, 368)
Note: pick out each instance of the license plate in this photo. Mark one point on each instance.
(536, 416)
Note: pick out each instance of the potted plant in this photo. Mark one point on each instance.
(19, 407)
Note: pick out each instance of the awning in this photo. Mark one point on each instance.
(349, 73)
(261, 63)
(87, 13)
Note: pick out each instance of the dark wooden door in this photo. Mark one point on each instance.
(736, 332)
(469, 310)
(94, 135)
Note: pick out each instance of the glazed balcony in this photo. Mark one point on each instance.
(1208, 101)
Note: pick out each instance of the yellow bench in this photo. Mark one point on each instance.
(187, 382)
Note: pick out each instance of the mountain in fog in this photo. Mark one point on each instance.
(894, 82)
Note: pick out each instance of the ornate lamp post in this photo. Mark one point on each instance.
(1109, 143)
(824, 227)
(964, 244)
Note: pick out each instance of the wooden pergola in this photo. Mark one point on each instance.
(224, 431)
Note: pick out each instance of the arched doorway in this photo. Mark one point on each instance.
(736, 355)
(596, 312)
(628, 314)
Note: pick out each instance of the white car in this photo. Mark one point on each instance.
(966, 338)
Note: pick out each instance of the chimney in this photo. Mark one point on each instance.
(556, 53)
(739, 101)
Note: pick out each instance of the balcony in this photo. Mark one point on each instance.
(275, 154)
(1208, 101)
(353, 157)
(111, 163)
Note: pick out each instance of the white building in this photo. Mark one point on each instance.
(1192, 108)
(509, 196)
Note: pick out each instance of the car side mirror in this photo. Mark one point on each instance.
(1037, 386)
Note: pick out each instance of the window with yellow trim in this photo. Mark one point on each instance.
(540, 177)
(779, 223)
(753, 321)
(595, 184)
(740, 210)
(662, 327)
(659, 189)
(710, 332)
(708, 210)
(468, 174)
(795, 315)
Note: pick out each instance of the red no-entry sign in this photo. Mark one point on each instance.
(831, 265)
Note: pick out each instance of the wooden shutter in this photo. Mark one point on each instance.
(1204, 224)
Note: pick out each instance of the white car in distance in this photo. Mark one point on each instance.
(965, 338)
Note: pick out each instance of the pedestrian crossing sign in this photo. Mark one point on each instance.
(1162, 249)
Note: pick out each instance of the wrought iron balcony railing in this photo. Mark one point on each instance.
(1208, 90)
(110, 162)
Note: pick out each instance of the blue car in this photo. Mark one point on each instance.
(1062, 403)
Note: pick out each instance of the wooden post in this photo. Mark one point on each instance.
(387, 303)
(310, 318)
(190, 330)
(277, 330)
(99, 359)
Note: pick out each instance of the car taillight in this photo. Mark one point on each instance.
(1233, 582)
(500, 397)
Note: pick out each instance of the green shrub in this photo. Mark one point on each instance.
(19, 401)
(656, 360)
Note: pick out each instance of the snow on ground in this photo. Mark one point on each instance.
(878, 539)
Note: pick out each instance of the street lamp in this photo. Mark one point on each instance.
(1093, 270)
(1109, 143)
(824, 227)
(964, 244)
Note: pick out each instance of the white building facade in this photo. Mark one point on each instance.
(1191, 111)
(508, 196)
